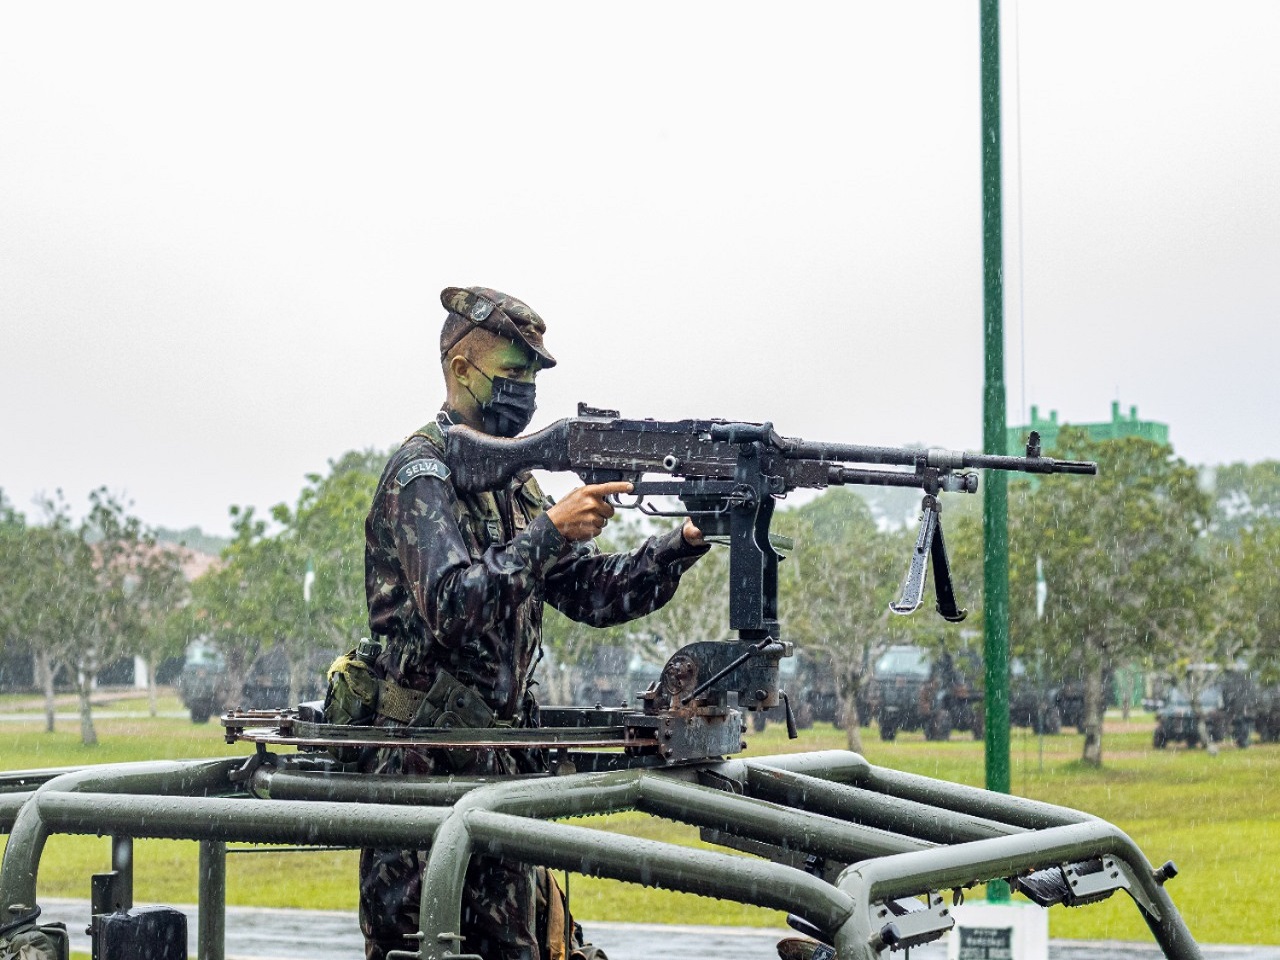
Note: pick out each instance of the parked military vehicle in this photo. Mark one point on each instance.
(930, 690)
(1240, 700)
(612, 676)
(207, 686)
(1267, 714)
(1177, 720)
(808, 680)
(204, 684)
(816, 699)
(1033, 702)
(1071, 697)
(1229, 701)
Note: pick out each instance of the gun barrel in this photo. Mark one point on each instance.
(849, 453)
(943, 459)
(1030, 464)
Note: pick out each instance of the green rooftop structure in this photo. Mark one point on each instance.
(1118, 426)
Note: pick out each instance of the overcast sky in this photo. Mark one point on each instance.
(224, 227)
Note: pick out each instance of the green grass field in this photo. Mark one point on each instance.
(1217, 817)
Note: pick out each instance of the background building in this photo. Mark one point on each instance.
(1118, 426)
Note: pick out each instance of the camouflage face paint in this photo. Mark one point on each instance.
(508, 403)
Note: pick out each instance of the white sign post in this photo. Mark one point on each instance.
(999, 931)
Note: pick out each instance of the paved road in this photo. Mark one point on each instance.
(255, 933)
(103, 714)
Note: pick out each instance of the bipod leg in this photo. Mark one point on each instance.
(943, 589)
(913, 584)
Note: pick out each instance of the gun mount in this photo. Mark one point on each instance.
(862, 857)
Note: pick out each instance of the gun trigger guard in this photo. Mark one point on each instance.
(615, 500)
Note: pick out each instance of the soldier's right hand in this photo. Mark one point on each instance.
(585, 511)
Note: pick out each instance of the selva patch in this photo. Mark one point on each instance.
(422, 468)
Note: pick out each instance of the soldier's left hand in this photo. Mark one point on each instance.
(692, 535)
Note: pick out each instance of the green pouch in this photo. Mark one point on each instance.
(36, 943)
(352, 697)
(449, 704)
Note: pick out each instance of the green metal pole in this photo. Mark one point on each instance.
(995, 502)
(211, 916)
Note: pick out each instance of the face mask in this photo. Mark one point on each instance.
(510, 408)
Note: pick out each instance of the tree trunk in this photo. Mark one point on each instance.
(295, 680)
(84, 685)
(1196, 684)
(554, 685)
(46, 669)
(852, 722)
(1202, 729)
(152, 705)
(1093, 710)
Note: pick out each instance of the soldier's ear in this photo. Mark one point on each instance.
(459, 368)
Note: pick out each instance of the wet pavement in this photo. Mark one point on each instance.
(99, 713)
(255, 933)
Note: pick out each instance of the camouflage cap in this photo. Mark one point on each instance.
(495, 312)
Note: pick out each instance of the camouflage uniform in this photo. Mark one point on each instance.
(455, 583)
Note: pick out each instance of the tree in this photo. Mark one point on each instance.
(56, 599)
(159, 594)
(22, 588)
(131, 583)
(1245, 494)
(13, 527)
(256, 599)
(1122, 560)
(72, 591)
(1249, 619)
(325, 533)
(231, 604)
(836, 586)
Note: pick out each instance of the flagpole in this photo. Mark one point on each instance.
(995, 525)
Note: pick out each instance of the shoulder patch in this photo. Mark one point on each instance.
(425, 467)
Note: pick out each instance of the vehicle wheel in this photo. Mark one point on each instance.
(1242, 737)
(979, 726)
(839, 721)
(1053, 721)
(804, 716)
(887, 730)
(939, 725)
(1158, 739)
(200, 713)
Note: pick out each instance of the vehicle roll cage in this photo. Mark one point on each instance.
(865, 858)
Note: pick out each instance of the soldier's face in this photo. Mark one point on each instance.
(502, 358)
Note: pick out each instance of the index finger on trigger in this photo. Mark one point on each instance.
(613, 486)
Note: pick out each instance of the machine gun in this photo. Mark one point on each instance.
(729, 475)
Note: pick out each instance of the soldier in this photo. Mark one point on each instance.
(455, 584)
